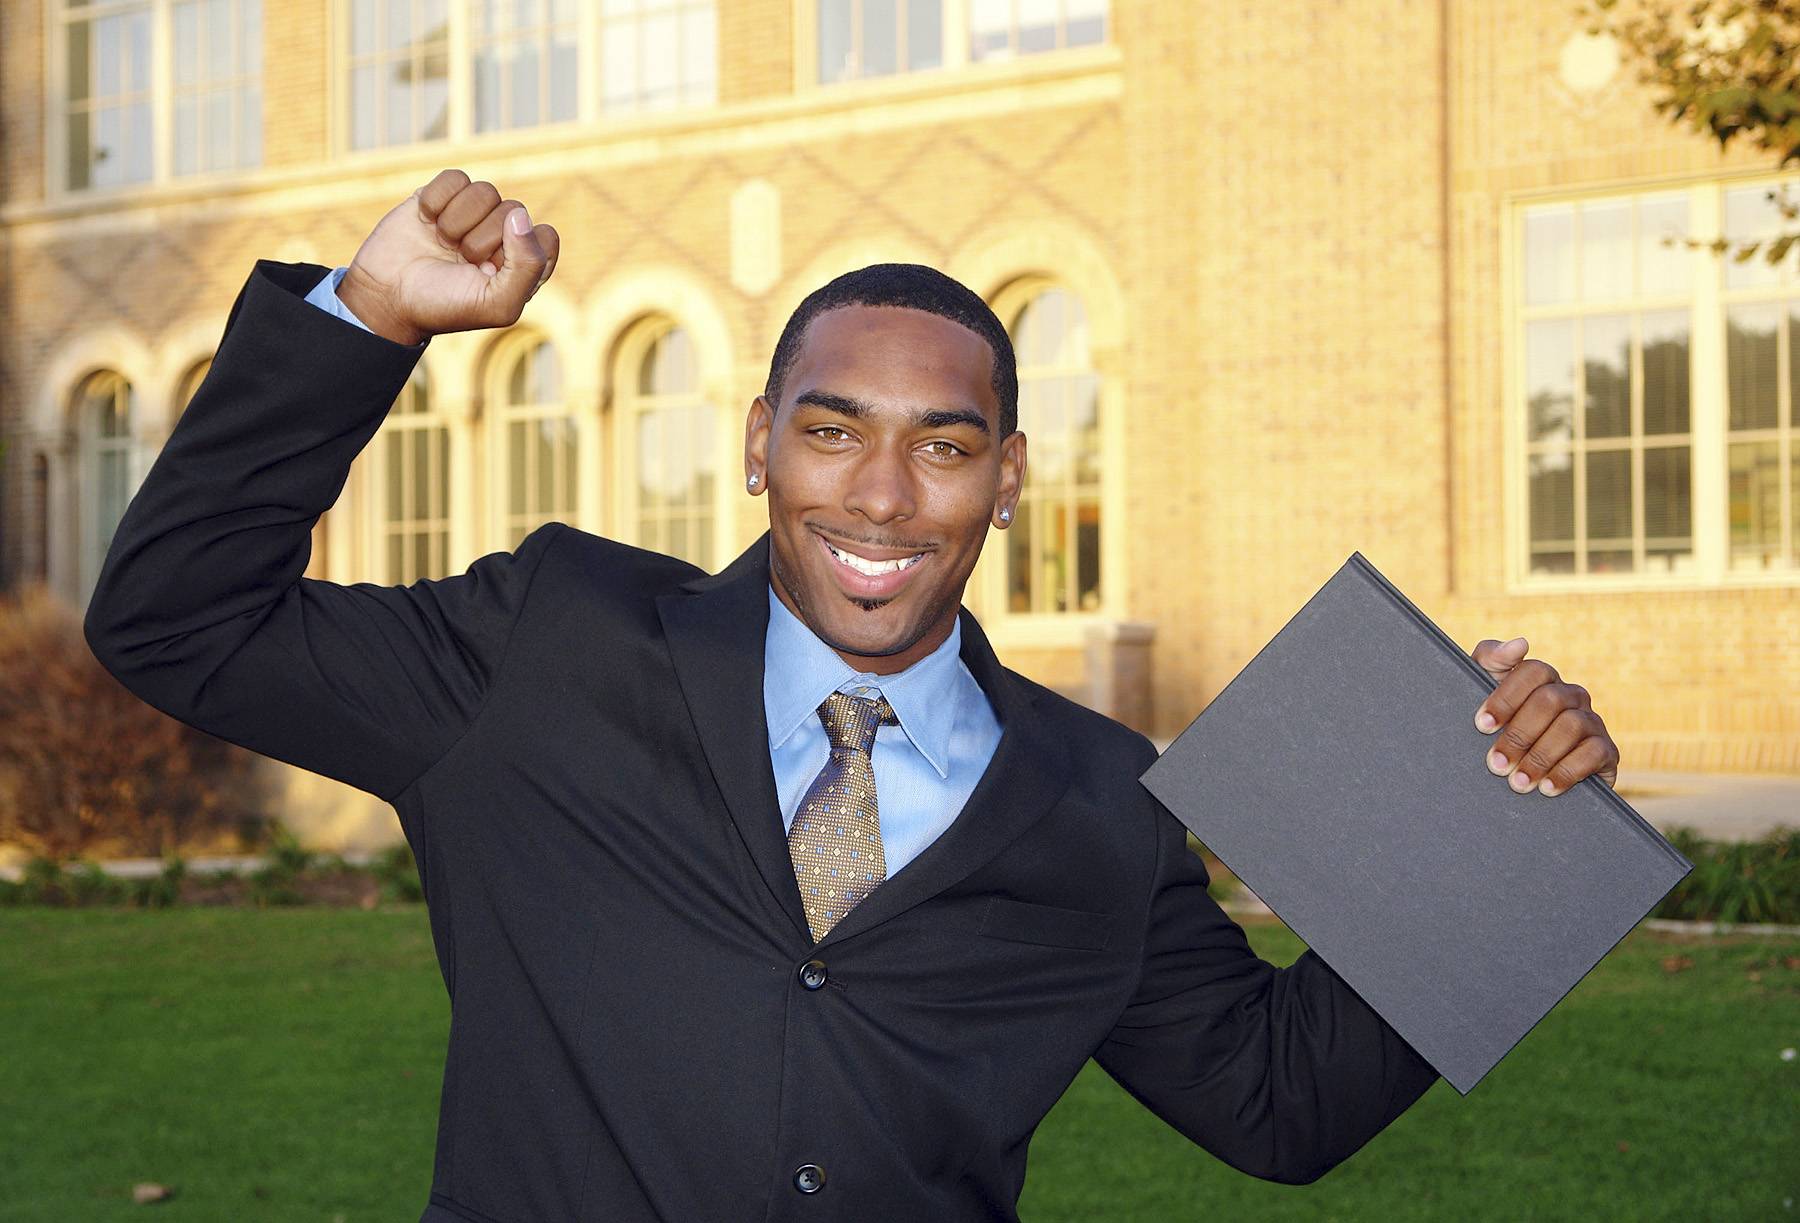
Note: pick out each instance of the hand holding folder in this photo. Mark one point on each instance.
(1343, 777)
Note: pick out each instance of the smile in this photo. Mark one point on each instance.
(859, 577)
(873, 568)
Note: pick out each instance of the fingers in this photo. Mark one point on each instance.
(1497, 658)
(466, 210)
(1549, 753)
(439, 191)
(1514, 688)
(483, 243)
(526, 266)
(1593, 755)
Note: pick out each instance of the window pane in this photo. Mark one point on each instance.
(1665, 371)
(562, 78)
(250, 130)
(924, 34)
(524, 91)
(1552, 479)
(394, 463)
(419, 473)
(1606, 251)
(187, 134)
(1751, 216)
(80, 156)
(398, 33)
(657, 70)
(250, 38)
(218, 39)
(515, 467)
(397, 103)
(1549, 255)
(186, 29)
(834, 40)
(110, 74)
(1037, 25)
(434, 99)
(362, 107)
(1606, 362)
(137, 45)
(990, 29)
(137, 143)
(218, 129)
(487, 90)
(80, 49)
(618, 66)
(362, 26)
(880, 37)
(1087, 22)
(1754, 480)
(1665, 264)
(699, 52)
(1609, 511)
(1750, 360)
(1668, 512)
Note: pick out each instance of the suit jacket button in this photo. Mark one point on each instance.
(809, 1178)
(812, 975)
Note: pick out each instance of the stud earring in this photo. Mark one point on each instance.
(1005, 514)
(753, 479)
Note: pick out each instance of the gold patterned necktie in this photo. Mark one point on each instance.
(835, 840)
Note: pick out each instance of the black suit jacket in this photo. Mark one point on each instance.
(573, 737)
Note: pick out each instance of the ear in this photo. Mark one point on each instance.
(1012, 480)
(757, 427)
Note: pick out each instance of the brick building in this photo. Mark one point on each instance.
(1287, 280)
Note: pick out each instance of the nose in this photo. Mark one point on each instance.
(881, 486)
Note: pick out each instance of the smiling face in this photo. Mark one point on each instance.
(884, 469)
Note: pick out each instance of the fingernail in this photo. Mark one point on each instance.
(1520, 782)
(1498, 763)
(520, 221)
(1547, 787)
(1485, 721)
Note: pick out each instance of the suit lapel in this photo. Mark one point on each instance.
(1029, 772)
(716, 635)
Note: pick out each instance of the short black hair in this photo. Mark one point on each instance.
(919, 288)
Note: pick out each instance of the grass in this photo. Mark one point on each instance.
(283, 1064)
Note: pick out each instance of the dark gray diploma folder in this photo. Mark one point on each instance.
(1342, 778)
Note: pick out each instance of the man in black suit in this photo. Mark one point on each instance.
(707, 959)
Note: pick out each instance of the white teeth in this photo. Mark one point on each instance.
(873, 568)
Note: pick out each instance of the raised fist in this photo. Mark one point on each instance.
(449, 257)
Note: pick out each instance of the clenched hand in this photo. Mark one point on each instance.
(452, 256)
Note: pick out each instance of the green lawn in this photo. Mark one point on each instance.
(283, 1064)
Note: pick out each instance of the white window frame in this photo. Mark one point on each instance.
(58, 17)
(460, 119)
(955, 58)
(626, 408)
(1707, 407)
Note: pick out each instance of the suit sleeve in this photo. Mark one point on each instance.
(201, 609)
(1281, 1072)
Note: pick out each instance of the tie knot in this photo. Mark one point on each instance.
(850, 721)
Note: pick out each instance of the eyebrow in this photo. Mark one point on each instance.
(936, 418)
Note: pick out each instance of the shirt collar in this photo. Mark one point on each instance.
(800, 671)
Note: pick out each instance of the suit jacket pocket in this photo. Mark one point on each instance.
(1021, 922)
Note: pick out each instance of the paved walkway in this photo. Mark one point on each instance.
(1720, 806)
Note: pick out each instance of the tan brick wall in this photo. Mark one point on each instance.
(297, 36)
(1298, 203)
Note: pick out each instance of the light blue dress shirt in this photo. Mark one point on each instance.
(324, 296)
(925, 768)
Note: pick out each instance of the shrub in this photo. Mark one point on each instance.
(86, 768)
(398, 873)
(1744, 882)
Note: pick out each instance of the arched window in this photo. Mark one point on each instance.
(1053, 546)
(539, 442)
(190, 382)
(411, 488)
(671, 440)
(104, 405)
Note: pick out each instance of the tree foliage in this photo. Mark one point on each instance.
(1725, 68)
